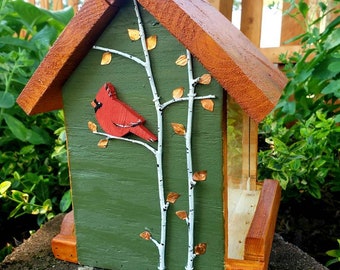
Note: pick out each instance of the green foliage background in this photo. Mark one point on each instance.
(303, 132)
(33, 166)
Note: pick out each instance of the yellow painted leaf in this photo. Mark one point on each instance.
(182, 60)
(178, 92)
(182, 214)
(134, 34)
(208, 104)
(172, 197)
(92, 126)
(205, 79)
(200, 176)
(179, 129)
(103, 143)
(106, 58)
(145, 235)
(151, 42)
(201, 248)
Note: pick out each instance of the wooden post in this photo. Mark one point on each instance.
(224, 6)
(251, 22)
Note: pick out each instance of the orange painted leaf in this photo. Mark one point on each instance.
(208, 104)
(182, 214)
(182, 60)
(151, 42)
(145, 235)
(172, 197)
(103, 143)
(205, 79)
(201, 248)
(179, 129)
(92, 126)
(200, 176)
(106, 58)
(134, 34)
(178, 92)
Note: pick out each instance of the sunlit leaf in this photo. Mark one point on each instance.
(145, 235)
(92, 126)
(134, 34)
(200, 175)
(106, 58)
(208, 104)
(151, 42)
(179, 129)
(172, 197)
(4, 186)
(201, 248)
(182, 214)
(182, 60)
(103, 143)
(205, 79)
(178, 92)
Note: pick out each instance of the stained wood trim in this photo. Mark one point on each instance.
(64, 246)
(43, 92)
(233, 264)
(232, 60)
(260, 236)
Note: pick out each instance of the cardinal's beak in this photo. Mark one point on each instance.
(93, 104)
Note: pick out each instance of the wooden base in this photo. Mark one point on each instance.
(64, 244)
(258, 241)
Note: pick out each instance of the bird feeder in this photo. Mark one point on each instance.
(154, 95)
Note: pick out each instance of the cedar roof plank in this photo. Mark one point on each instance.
(43, 92)
(224, 51)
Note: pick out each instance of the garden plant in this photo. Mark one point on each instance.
(33, 167)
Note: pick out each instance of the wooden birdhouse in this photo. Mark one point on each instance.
(156, 96)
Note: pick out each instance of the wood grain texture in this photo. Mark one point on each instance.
(43, 91)
(64, 244)
(260, 236)
(228, 55)
(233, 264)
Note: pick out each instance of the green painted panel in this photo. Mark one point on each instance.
(115, 190)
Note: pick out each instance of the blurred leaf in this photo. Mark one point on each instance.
(6, 100)
(17, 127)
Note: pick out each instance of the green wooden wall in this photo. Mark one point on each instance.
(115, 190)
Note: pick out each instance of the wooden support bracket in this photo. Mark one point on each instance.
(64, 244)
(260, 236)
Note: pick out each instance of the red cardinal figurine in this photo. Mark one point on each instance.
(117, 118)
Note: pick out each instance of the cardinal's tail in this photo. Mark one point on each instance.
(143, 132)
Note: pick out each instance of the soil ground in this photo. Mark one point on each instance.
(35, 254)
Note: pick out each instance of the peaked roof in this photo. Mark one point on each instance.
(223, 50)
